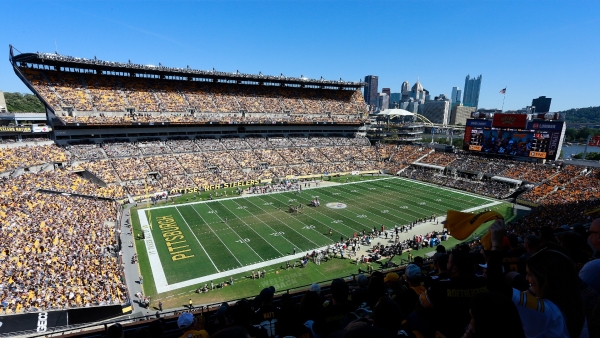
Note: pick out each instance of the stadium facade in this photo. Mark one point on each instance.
(90, 100)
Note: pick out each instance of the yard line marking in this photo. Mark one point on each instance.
(211, 229)
(430, 207)
(259, 235)
(207, 255)
(217, 276)
(247, 225)
(396, 217)
(315, 209)
(482, 206)
(158, 273)
(316, 220)
(294, 230)
(269, 193)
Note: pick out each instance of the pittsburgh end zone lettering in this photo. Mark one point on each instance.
(174, 238)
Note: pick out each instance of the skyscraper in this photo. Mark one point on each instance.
(395, 98)
(541, 104)
(371, 90)
(455, 98)
(472, 88)
(383, 101)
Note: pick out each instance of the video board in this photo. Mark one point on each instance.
(534, 139)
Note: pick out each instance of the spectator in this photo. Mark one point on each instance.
(493, 315)
(334, 315)
(552, 307)
(191, 325)
(445, 305)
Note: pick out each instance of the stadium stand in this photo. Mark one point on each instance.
(58, 248)
(105, 100)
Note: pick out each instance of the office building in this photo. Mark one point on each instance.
(383, 101)
(541, 104)
(437, 110)
(370, 93)
(471, 91)
(455, 97)
(386, 91)
(460, 114)
(395, 99)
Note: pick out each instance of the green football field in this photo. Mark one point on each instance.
(195, 243)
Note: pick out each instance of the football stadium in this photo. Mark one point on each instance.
(158, 201)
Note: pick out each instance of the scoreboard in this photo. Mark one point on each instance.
(513, 135)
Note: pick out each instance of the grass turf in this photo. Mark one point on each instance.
(259, 229)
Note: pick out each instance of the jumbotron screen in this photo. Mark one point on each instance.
(534, 139)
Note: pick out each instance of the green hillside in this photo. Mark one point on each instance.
(583, 115)
(23, 103)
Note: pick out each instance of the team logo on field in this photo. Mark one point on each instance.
(336, 205)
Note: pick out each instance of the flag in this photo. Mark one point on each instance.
(503, 91)
(462, 224)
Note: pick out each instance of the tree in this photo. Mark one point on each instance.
(23, 103)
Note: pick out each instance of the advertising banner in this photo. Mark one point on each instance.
(517, 121)
(479, 123)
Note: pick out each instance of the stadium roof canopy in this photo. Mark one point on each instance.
(506, 180)
(101, 67)
(396, 112)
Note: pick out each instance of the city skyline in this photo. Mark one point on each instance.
(317, 39)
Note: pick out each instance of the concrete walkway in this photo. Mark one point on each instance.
(132, 271)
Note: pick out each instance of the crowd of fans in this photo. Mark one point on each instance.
(529, 283)
(491, 188)
(29, 156)
(105, 99)
(57, 251)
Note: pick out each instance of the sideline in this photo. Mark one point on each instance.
(158, 273)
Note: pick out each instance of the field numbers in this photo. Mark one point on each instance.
(404, 207)
(281, 233)
(384, 211)
(371, 188)
(421, 203)
(354, 191)
(308, 227)
(337, 221)
(438, 200)
(243, 240)
(268, 203)
(361, 216)
(387, 186)
(335, 193)
(241, 207)
(212, 212)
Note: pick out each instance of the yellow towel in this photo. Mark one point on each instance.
(462, 224)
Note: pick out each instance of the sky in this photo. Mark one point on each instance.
(531, 47)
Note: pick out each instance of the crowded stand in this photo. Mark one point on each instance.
(439, 158)
(29, 156)
(52, 225)
(57, 251)
(566, 174)
(130, 168)
(86, 151)
(530, 172)
(103, 169)
(209, 144)
(166, 165)
(121, 149)
(98, 99)
(182, 146)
